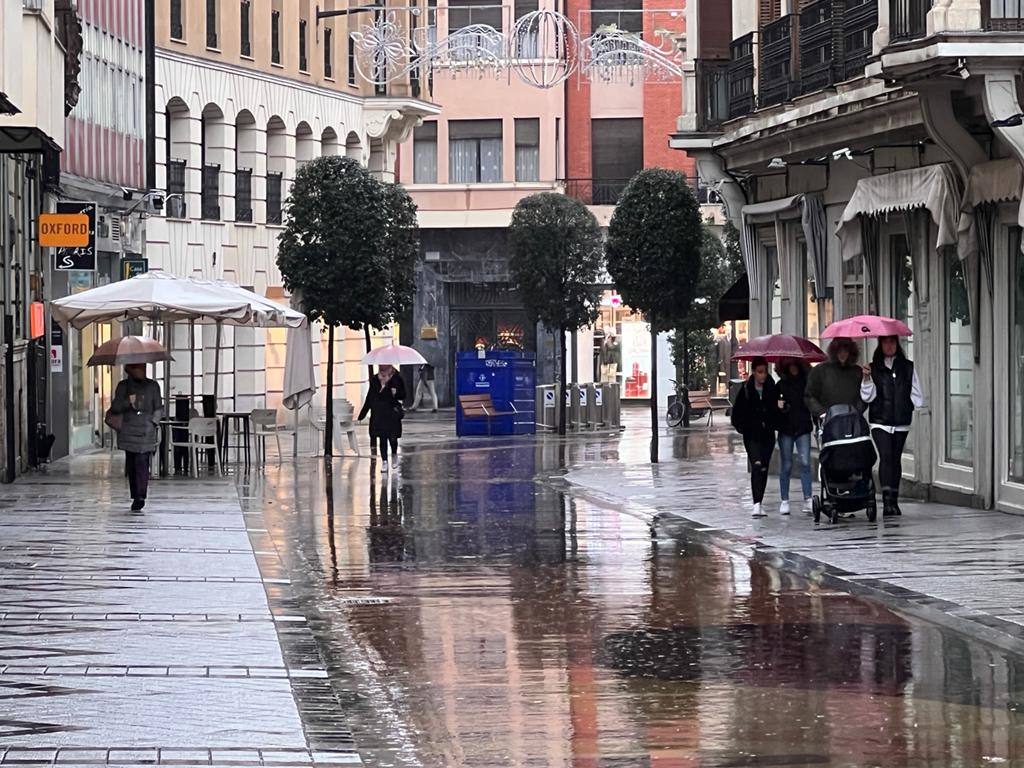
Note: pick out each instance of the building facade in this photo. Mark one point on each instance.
(870, 153)
(39, 44)
(501, 137)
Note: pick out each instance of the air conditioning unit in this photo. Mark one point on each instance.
(108, 233)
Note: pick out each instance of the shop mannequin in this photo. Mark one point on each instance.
(611, 358)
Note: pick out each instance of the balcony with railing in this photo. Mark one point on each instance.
(860, 20)
(778, 76)
(908, 19)
(1003, 15)
(712, 83)
(608, 191)
(741, 76)
(821, 38)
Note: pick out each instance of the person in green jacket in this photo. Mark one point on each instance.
(836, 382)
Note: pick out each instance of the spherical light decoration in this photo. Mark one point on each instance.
(544, 49)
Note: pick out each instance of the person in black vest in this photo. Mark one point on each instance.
(891, 388)
(755, 416)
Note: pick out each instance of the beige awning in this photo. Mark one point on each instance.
(998, 181)
(933, 187)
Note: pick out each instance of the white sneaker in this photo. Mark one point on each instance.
(758, 511)
(394, 460)
(384, 466)
(809, 505)
(784, 507)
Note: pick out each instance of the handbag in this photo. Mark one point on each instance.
(113, 420)
(399, 411)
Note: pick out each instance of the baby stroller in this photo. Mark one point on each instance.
(846, 457)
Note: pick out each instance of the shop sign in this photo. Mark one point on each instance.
(56, 358)
(77, 257)
(130, 267)
(63, 230)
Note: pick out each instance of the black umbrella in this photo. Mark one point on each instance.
(735, 302)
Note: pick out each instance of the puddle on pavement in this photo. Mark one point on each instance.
(470, 616)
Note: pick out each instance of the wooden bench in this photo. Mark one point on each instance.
(483, 407)
(701, 400)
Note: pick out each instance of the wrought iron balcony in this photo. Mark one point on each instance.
(779, 76)
(741, 76)
(860, 20)
(908, 19)
(712, 93)
(821, 44)
(1003, 15)
(608, 191)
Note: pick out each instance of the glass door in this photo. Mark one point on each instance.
(1015, 361)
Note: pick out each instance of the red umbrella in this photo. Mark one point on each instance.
(866, 327)
(780, 346)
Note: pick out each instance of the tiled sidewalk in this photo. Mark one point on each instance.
(962, 567)
(147, 638)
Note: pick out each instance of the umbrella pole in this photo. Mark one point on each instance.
(192, 363)
(216, 365)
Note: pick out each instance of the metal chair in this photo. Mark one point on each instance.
(264, 425)
(202, 436)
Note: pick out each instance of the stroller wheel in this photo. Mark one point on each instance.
(833, 514)
(816, 508)
(872, 511)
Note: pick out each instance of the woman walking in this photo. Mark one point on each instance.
(755, 416)
(135, 414)
(794, 430)
(384, 404)
(836, 382)
(891, 388)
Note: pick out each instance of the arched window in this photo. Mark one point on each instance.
(277, 157)
(354, 146)
(329, 142)
(305, 145)
(246, 158)
(178, 149)
(213, 154)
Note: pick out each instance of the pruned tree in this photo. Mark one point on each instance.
(349, 248)
(654, 253)
(556, 256)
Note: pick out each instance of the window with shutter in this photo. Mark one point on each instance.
(617, 154)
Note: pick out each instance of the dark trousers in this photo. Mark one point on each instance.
(384, 446)
(759, 456)
(890, 458)
(136, 466)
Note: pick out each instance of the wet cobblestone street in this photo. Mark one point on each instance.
(482, 606)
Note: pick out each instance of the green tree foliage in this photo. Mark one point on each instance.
(349, 248)
(692, 339)
(653, 252)
(556, 255)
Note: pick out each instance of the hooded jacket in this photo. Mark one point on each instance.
(832, 383)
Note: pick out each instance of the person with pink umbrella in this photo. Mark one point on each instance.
(892, 391)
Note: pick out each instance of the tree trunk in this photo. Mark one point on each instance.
(561, 377)
(369, 346)
(329, 410)
(654, 394)
(686, 359)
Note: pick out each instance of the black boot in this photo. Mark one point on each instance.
(896, 503)
(888, 509)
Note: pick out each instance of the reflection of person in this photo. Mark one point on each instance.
(425, 383)
(754, 415)
(384, 404)
(891, 388)
(611, 358)
(723, 350)
(836, 382)
(138, 404)
(794, 430)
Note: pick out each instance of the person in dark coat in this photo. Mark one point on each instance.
(836, 382)
(794, 430)
(755, 416)
(892, 391)
(136, 408)
(384, 404)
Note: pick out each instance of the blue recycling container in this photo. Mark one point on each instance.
(510, 379)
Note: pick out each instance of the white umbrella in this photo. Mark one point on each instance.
(299, 376)
(395, 354)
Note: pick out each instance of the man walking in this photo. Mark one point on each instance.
(425, 382)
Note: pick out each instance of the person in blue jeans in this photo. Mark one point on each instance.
(795, 427)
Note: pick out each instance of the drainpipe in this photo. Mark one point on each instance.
(151, 95)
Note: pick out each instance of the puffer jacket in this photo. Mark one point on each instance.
(139, 431)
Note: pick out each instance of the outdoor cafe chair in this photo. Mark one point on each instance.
(344, 422)
(264, 425)
(202, 436)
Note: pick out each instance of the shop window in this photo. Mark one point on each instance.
(527, 149)
(959, 366)
(424, 150)
(771, 253)
(474, 151)
(903, 286)
(616, 155)
(817, 313)
(853, 287)
(1016, 358)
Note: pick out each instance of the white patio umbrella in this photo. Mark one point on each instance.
(299, 375)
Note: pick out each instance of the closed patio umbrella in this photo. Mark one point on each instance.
(299, 375)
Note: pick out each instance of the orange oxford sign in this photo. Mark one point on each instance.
(63, 230)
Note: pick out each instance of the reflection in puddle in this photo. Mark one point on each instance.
(523, 627)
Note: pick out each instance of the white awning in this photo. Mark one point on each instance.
(809, 210)
(933, 187)
(998, 181)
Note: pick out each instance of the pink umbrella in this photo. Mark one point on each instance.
(866, 327)
(780, 346)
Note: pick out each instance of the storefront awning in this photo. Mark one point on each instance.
(735, 302)
(998, 181)
(810, 209)
(933, 187)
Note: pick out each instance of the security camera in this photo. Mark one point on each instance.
(126, 193)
